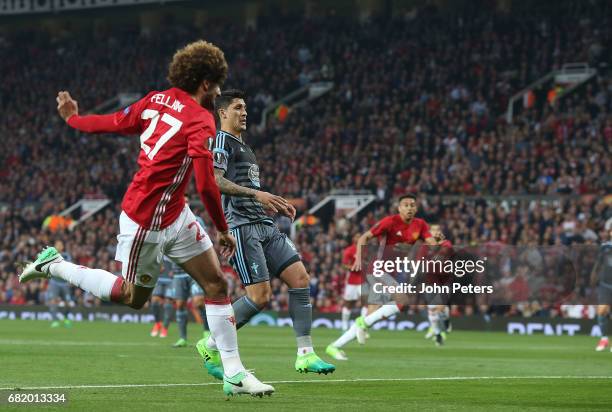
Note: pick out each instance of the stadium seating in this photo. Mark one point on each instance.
(411, 110)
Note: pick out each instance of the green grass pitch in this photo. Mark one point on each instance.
(395, 370)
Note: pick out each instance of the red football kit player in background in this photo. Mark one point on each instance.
(176, 129)
(348, 259)
(442, 251)
(438, 312)
(400, 228)
(396, 229)
(352, 284)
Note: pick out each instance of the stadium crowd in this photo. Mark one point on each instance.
(414, 108)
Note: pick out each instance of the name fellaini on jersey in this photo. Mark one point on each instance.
(238, 161)
(164, 100)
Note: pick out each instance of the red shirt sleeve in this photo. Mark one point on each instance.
(200, 137)
(382, 226)
(126, 121)
(425, 231)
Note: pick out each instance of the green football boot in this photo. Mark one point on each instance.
(336, 353)
(181, 343)
(55, 324)
(67, 323)
(430, 333)
(312, 363)
(212, 358)
(39, 269)
(362, 330)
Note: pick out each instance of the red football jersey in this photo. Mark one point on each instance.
(397, 231)
(348, 258)
(173, 130)
(442, 252)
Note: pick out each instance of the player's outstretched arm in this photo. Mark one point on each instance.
(275, 203)
(120, 122)
(363, 240)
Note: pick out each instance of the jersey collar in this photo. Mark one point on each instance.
(232, 136)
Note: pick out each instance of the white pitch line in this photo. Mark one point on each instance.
(424, 379)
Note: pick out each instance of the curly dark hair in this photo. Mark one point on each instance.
(196, 62)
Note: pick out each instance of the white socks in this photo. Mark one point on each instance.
(346, 316)
(346, 337)
(211, 340)
(98, 282)
(305, 350)
(304, 344)
(222, 326)
(434, 321)
(383, 312)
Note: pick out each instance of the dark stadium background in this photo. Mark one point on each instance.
(418, 104)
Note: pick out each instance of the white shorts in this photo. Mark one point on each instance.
(140, 250)
(352, 292)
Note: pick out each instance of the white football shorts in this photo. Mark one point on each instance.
(352, 292)
(141, 251)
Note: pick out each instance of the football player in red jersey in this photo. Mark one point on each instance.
(352, 286)
(176, 128)
(438, 314)
(401, 228)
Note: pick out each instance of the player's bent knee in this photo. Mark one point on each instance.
(298, 279)
(261, 299)
(295, 276)
(260, 294)
(303, 280)
(138, 301)
(135, 296)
